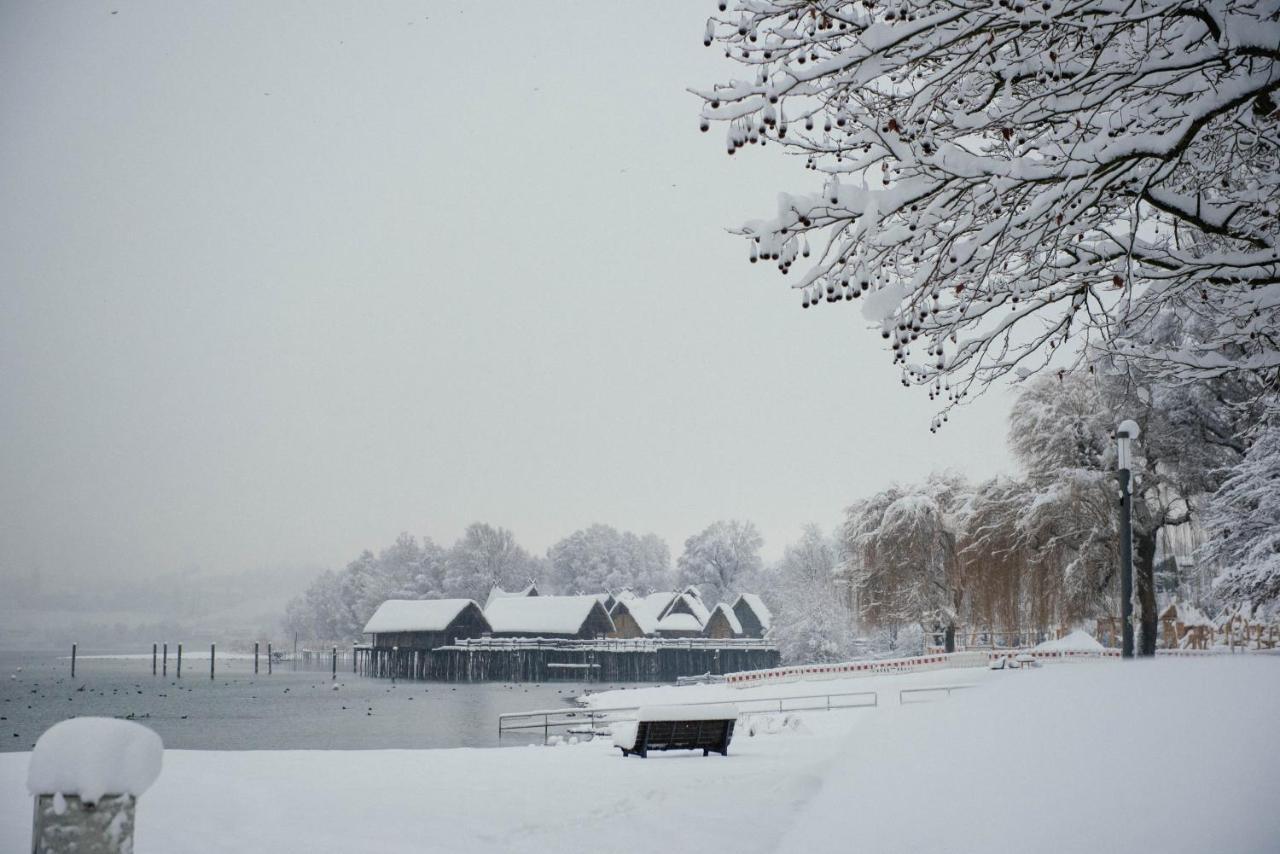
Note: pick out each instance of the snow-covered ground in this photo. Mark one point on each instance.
(1170, 756)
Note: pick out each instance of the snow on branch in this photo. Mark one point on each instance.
(999, 179)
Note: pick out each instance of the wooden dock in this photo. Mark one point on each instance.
(547, 660)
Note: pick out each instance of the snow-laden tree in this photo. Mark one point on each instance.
(997, 178)
(601, 558)
(900, 549)
(319, 613)
(413, 570)
(721, 559)
(811, 622)
(484, 557)
(1243, 519)
(992, 554)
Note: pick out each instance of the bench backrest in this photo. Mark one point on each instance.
(683, 734)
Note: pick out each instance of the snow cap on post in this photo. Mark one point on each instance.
(93, 757)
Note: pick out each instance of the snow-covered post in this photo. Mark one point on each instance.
(1125, 433)
(86, 775)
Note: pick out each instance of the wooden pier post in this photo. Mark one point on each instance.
(179, 661)
(164, 662)
(268, 658)
(212, 658)
(255, 658)
(153, 659)
(335, 664)
(73, 661)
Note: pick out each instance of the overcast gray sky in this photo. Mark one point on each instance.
(281, 280)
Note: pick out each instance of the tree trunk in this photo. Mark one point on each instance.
(1144, 571)
(950, 636)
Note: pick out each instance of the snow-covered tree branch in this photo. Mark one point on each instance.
(999, 179)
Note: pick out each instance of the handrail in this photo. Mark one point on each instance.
(933, 689)
(560, 718)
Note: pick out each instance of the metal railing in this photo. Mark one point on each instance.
(587, 718)
(902, 693)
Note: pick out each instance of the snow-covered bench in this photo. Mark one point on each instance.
(706, 728)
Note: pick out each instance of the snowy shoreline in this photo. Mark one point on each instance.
(1030, 760)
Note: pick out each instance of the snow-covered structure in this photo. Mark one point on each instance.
(632, 619)
(723, 623)
(679, 624)
(582, 617)
(531, 589)
(688, 601)
(86, 775)
(753, 615)
(425, 623)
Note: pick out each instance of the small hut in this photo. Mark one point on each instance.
(679, 625)
(563, 617)
(424, 623)
(688, 602)
(632, 620)
(723, 623)
(753, 615)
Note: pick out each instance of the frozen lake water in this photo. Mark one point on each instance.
(302, 709)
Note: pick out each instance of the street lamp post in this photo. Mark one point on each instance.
(1126, 433)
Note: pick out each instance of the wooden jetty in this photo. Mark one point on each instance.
(558, 659)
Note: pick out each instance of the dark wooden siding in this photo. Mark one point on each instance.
(718, 626)
(751, 625)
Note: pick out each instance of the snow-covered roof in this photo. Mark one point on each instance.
(1078, 641)
(557, 615)
(755, 603)
(497, 592)
(734, 623)
(679, 622)
(645, 619)
(415, 615)
(657, 602)
(693, 603)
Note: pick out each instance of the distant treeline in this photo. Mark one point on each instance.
(722, 559)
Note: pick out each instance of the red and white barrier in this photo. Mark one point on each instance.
(751, 678)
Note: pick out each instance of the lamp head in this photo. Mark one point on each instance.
(1125, 434)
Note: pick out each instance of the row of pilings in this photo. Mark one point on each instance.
(560, 663)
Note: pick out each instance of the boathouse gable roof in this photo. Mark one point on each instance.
(548, 615)
(417, 615)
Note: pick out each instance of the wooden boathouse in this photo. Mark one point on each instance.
(558, 659)
(525, 637)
